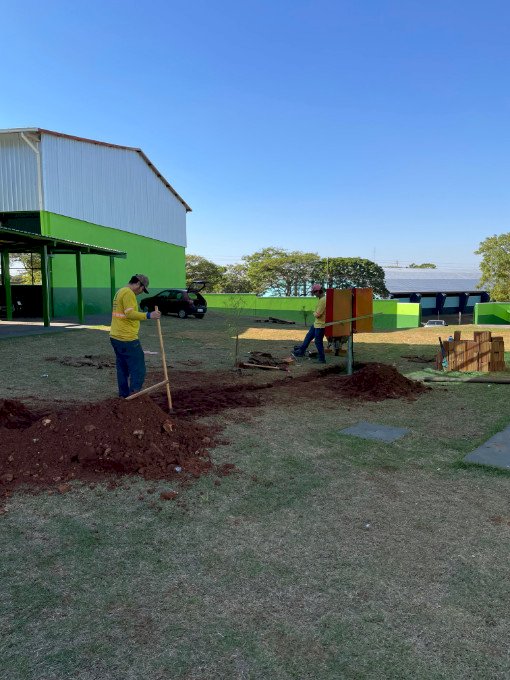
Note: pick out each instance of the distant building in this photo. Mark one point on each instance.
(439, 291)
(75, 201)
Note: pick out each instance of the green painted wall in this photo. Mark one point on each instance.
(164, 264)
(395, 314)
(492, 313)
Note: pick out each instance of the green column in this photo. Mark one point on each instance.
(45, 285)
(112, 277)
(6, 282)
(79, 289)
(52, 289)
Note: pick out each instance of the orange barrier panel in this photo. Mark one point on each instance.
(338, 306)
(363, 304)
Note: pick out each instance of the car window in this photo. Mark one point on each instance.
(178, 296)
(193, 296)
(164, 294)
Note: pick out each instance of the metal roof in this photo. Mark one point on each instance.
(16, 239)
(408, 280)
(42, 131)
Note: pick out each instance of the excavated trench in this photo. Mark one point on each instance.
(104, 440)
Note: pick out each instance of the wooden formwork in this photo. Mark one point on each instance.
(483, 353)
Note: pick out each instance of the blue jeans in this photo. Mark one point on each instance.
(316, 334)
(130, 362)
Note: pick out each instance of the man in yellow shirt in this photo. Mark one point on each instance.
(130, 359)
(318, 328)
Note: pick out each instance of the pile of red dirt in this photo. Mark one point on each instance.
(375, 382)
(91, 441)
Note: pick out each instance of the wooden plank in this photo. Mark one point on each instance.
(363, 305)
(458, 351)
(485, 352)
(338, 306)
(456, 335)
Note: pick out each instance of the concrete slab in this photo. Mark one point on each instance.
(494, 452)
(23, 327)
(383, 433)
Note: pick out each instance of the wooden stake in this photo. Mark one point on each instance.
(163, 358)
(147, 389)
(246, 364)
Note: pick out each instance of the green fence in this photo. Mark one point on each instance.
(300, 309)
(492, 313)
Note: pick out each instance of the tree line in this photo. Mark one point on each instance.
(286, 273)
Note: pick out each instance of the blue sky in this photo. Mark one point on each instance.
(363, 128)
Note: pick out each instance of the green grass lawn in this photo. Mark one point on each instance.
(325, 557)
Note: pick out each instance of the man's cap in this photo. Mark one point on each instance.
(144, 280)
(316, 287)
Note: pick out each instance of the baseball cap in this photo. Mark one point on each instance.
(316, 287)
(144, 280)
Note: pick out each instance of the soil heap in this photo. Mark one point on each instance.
(375, 382)
(93, 440)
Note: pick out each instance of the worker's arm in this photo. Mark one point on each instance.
(131, 310)
(133, 314)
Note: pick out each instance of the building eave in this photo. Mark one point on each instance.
(43, 131)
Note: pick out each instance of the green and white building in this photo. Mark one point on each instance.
(96, 212)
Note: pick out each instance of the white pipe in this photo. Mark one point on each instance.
(39, 169)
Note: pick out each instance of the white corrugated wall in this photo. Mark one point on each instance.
(18, 175)
(110, 187)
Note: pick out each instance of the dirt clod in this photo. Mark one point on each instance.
(168, 495)
(14, 414)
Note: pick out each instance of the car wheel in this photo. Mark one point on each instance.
(199, 316)
(182, 314)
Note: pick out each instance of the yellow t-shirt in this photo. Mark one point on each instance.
(320, 310)
(125, 316)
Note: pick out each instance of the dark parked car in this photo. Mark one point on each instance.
(181, 301)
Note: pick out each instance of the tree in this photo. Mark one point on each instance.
(354, 272)
(264, 269)
(425, 265)
(495, 266)
(200, 269)
(28, 268)
(234, 280)
(280, 271)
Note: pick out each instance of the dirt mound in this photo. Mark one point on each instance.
(375, 382)
(14, 414)
(89, 442)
